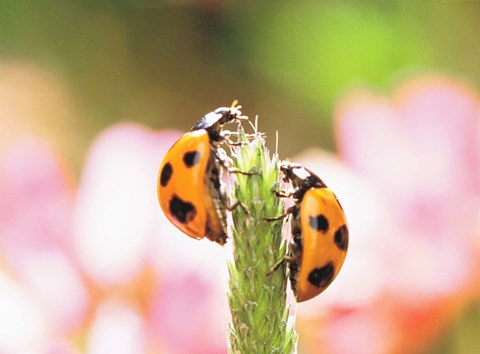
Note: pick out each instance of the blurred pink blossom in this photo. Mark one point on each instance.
(125, 244)
(99, 267)
(412, 201)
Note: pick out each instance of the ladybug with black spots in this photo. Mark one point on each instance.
(189, 188)
(319, 230)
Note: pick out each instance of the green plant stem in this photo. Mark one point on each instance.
(257, 300)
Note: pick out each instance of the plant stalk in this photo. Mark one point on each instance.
(257, 300)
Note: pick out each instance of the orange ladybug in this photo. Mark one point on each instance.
(319, 230)
(189, 188)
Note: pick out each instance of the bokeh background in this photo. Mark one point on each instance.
(380, 99)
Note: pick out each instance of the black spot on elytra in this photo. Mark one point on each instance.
(322, 277)
(319, 223)
(341, 237)
(183, 211)
(166, 174)
(191, 158)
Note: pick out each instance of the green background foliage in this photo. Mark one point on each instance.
(162, 62)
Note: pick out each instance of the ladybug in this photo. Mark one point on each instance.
(188, 186)
(319, 231)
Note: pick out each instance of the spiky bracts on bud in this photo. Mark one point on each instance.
(257, 300)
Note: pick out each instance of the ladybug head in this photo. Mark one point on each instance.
(300, 177)
(288, 172)
(213, 122)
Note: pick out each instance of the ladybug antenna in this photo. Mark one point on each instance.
(235, 109)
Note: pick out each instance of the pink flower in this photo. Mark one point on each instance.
(129, 249)
(412, 199)
(35, 227)
(102, 268)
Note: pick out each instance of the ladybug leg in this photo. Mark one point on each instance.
(245, 173)
(225, 161)
(225, 136)
(222, 158)
(231, 207)
(277, 265)
(295, 251)
(236, 205)
(282, 194)
(276, 218)
(282, 216)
